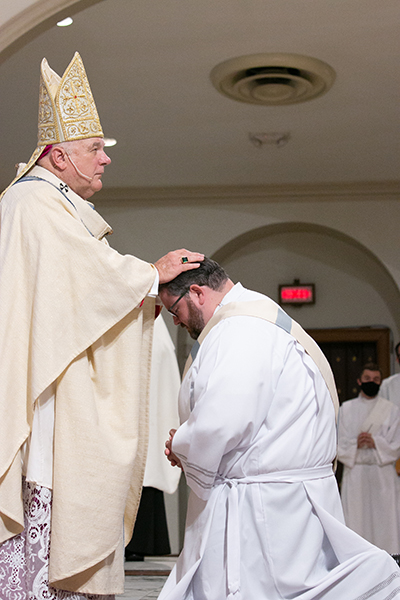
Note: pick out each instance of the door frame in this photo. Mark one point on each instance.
(380, 335)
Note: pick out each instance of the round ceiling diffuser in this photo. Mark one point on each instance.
(273, 79)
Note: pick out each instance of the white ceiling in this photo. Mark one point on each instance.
(148, 62)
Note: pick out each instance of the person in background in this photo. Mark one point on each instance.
(76, 325)
(390, 388)
(368, 447)
(150, 535)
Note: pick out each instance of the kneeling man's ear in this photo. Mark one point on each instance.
(199, 293)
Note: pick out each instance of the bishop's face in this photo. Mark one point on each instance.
(87, 163)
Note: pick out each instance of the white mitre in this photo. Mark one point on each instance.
(67, 111)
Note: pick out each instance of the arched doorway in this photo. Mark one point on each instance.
(353, 287)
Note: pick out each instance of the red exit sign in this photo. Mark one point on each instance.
(297, 293)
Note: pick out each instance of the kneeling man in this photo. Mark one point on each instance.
(256, 442)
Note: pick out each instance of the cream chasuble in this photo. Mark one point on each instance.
(72, 312)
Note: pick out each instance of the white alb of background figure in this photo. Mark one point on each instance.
(369, 445)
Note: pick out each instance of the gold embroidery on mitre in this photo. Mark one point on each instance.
(76, 108)
(48, 127)
(67, 111)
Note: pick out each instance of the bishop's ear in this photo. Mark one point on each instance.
(59, 158)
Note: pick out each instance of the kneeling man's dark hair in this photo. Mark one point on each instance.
(209, 273)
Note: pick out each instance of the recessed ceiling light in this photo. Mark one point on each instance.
(109, 142)
(65, 22)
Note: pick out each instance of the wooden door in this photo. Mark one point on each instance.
(347, 350)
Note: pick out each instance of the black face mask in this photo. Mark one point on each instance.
(370, 388)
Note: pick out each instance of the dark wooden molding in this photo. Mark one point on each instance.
(381, 336)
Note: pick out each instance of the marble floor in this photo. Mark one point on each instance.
(144, 580)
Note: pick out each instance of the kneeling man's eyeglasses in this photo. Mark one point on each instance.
(170, 310)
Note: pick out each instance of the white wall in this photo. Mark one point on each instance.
(348, 248)
(352, 288)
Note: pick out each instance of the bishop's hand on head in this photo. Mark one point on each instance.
(174, 263)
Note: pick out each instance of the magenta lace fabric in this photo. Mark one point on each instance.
(24, 559)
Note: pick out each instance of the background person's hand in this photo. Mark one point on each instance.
(365, 440)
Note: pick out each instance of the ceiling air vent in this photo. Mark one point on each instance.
(273, 79)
